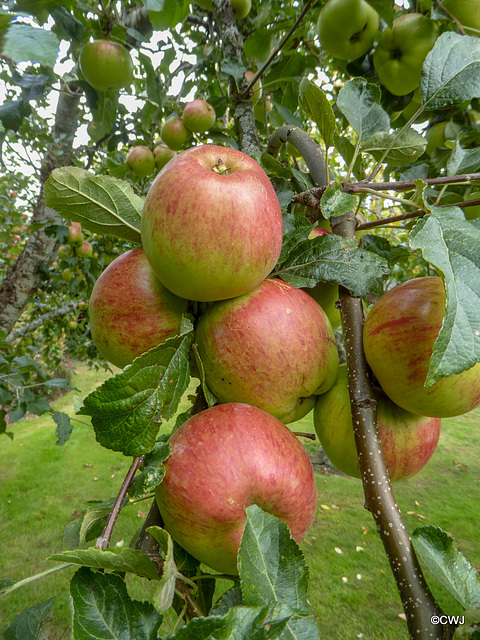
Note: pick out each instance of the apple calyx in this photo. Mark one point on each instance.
(221, 168)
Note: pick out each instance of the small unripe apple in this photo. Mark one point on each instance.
(84, 250)
(65, 251)
(162, 155)
(68, 275)
(174, 133)
(241, 8)
(72, 325)
(198, 116)
(141, 161)
(75, 234)
(106, 65)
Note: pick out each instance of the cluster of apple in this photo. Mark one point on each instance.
(347, 29)
(76, 244)
(198, 117)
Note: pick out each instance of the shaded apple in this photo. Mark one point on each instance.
(141, 161)
(106, 65)
(84, 250)
(398, 339)
(241, 8)
(75, 234)
(223, 460)
(408, 440)
(272, 347)
(130, 310)
(467, 12)
(212, 224)
(199, 116)
(162, 155)
(174, 133)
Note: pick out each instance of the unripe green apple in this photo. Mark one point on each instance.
(174, 133)
(162, 154)
(65, 251)
(347, 28)
(408, 440)
(141, 161)
(401, 52)
(130, 310)
(398, 339)
(241, 8)
(75, 234)
(72, 325)
(467, 12)
(223, 460)
(106, 65)
(472, 213)
(84, 250)
(273, 348)
(68, 275)
(199, 116)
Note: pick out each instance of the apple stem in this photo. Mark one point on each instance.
(303, 434)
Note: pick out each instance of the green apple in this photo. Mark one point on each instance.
(273, 348)
(141, 161)
(467, 12)
(408, 440)
(223, 460)
(241, 8)
(84, 250)
(472, 213)
(199, 116)
(106, 65)
(68, 275)
(65, 251)
(398, 339)
(401, 52)
(174, 133)
(347, 28)
(162, 154)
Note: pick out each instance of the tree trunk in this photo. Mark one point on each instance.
(24, 277)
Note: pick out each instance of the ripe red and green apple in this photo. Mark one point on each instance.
(212, 225)
(401, 52)
(174, 133)
(223, 460)
(130, 310)
(398, 339)
(347, 28)
(75, 234)
(273, 348)
(106, 65)
(408, 440)
(199, 116)
(84, 250)
(141, 161)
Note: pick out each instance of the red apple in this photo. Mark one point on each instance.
(408, 440)
(212, 224)
(75, 234)
(130, 310)
(84, 250)
(106, 65)
(140, 160)
(198, 116)
(273, 347)
(398, 339)
(162, 155)
(174, 133)
(223, 460)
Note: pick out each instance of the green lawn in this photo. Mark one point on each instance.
(351, 586)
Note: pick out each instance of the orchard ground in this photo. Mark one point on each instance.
(352, 589)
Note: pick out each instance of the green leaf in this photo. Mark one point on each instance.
(103, 204)
(210, 398)
(171, 14)
(123, 408)
(64, 427)
(152, 471)
(332, 259)
(128, 560)
(272, 569)
(451, 71)
(448, 565)
(385, 9)
(359, 103)
(335, 202)
(166, 589)
(38, 406)
(29, 623)
(87, 524)
(316, 104)
(463, 160)
(401, 149)
(103, 609)
(24, 43)
(70, 26)
(451, 244)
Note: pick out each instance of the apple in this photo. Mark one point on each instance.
(398, 340)
(435, 136)
(408, 440)
(472, 213)
(65, 251)
(106, 65)
(272, 347)
(130, 310)
(199, 116)
(84, 250)
(141, 161)
(256, 91)
(174, 133)
(68, 275)
(241, 8)
(72, 325)
(162, 155)
(324, 293)
(212, 224)
(347, 28)
(223, 460)
(401, 52)
(75, 234)
(467, 12)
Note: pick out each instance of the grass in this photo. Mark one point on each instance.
(351, 586)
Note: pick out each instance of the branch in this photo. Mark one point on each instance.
(312, 153)
(43, 319)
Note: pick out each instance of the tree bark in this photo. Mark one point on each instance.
(24, 277)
